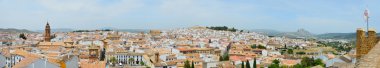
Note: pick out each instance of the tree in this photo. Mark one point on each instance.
(276, 61)
(142, 63)
(312, 61)
(113, 60)
(297, 47)
(187, 64)
(319, 62)
(221, 58)
(254, 63)
(285, 47)
(284, 66)
(228, 47)
(253, 46)
(247, 65)
(298, 66)
(262, 47)
(106, 30)
(242, 64)
(282, 52)
(233, 29)
(300, 53)
(290, 51)
(275, 64)
(192, 64)
(224, 28)
(305, 62)
(226, 57)
(22, 36)
(131, 60)
(308, 62)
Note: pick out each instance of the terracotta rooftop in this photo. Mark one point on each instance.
(96, 64)
(240, 58)
(51, 43)
(69, 40)
(26, 61)
(289, 62)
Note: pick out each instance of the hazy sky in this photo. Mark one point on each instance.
(316, 16)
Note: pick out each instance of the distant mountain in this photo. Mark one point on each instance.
(13, 30)
(62, 30)
(348, 36)
(105, 28)
(125, 30)
(110, 28)
(268, 32)
(58, 30)
(134, 30)
(300, 33)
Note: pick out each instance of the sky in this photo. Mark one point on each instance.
(316, 16)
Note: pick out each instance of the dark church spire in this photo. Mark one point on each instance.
(47, 32)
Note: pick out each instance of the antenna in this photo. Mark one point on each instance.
(366, 18)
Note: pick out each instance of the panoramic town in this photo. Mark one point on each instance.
(188, 34)
(197, 47)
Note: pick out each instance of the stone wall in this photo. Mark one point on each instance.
(360, 45)
(367, 49)
(365, 43)
(370, 60)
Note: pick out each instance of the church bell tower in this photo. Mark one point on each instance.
(47, 33)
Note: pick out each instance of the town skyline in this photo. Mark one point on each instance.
(189, 34)
(287, 16)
